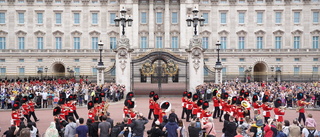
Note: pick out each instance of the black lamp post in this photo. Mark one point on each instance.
(123, 20)
(100, 44)
(196, 20)
(218, 49)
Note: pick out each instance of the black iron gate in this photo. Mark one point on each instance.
(159, 67)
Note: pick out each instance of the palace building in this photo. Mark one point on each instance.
(262, 39)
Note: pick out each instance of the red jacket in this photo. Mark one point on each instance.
(31, 104)
(278, 114)
(215, 102)
(25, 108)
(266, 110)
(256, 106)
(151, 103)
(189, 105)
(156, 109)
(194, 108)
(184, 102)
(15, 116)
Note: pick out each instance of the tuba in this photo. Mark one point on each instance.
(245, 104)
(218, 94)
(166, 105)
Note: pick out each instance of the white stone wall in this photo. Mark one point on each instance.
(104, 30)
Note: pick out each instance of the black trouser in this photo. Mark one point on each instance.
(220, 116)
(216, 112)
(44, 102)
(156, 117)
(188, 115)
(303, 117)
(33, 115)
(75, 114)
(27, 117)
(150, 112)
(266, 120)
(184, 110)
(289, 103)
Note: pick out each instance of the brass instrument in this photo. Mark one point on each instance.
(218, 94)
(282, 108)
(245, 104)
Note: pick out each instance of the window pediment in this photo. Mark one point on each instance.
(76, 33)
(315, 32)
(94, 33)
(2, 33)
(242, 32)
(260, 32)
(159, 33)
(174, 33)
(39, 33)
(113, 33)
(21, 33)
(278, 32)
(297, 32)
(57, 33)
(205, 33)
(223, 33)
(144, 33)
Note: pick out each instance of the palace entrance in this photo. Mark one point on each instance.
(59, 70)
(161, 72)
(260, 72)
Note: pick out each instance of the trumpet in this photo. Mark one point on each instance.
(282, 108)
(245, 104)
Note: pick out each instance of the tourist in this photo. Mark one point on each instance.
(171, 128)
(209, 127)
(193, 130)
(104, 127)
(33, 130)
(70, 129)
(138, 125)
(82, 130)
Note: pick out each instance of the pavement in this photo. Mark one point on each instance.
(115, 108)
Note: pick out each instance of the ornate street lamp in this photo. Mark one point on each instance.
(123, 20)
(195, 20)
(100, 44)
(218, 66)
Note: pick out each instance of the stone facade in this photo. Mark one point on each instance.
(58, 34)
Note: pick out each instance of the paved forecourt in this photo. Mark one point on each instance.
(45, 115)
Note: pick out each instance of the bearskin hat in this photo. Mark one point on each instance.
(185, 93)
(214, 93)
(130, 95)
(200, 102)
(242, 92)
(155, 97)
(61, 101)
(277, 103)
(225, 95)
(62, 95)
(234, 100)
(151, 94)
(90, 105)
(17, 99)
(129, 103)
(31, 96)
(75, 96)
(56, 111)
(102, 94)
(255, 98)
(195, 97)
(205, 105)
(300, 96)
(246, 94)
(15, 106)
(165, 105)
(96, 100)
(24, 99)
(189, 95)
(265, 98)
(239, 100)
(70, 97)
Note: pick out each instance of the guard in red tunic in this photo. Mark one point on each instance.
(15, 115)
(194, 112)
(69, 105)
(131, 112)
(256, 106)
(246, 98)
(278, 112)
(151, 104)
(25, 108)
(63, 107)
(231, 108)
(206, 113)
(216, 103)
(199, 111)
(301, 103)
(91, 113)
(266, 107)
(73, 106)
(223, 104)
(165, 107)
(157, 109)
(56, 113)
(32, 105)
(240, 110)
(184, 100)
(189, 106)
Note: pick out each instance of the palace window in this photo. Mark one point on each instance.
(94, 42)
(2, 42)
(143, 18)
(113, 42)
(143, 42)
(40, 42)
(76, 42)
(58, 43)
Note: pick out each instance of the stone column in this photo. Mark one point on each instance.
(123, 60)
(196, 64)
(218, 75)
(100, 76)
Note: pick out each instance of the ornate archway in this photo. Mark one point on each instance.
(260, 72)
(59, 70)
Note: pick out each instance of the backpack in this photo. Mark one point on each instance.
(281, 134)
(115, 131)
(311, 134)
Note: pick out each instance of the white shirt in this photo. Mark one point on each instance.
(33, 133)
(44, 95)
(306, 132)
